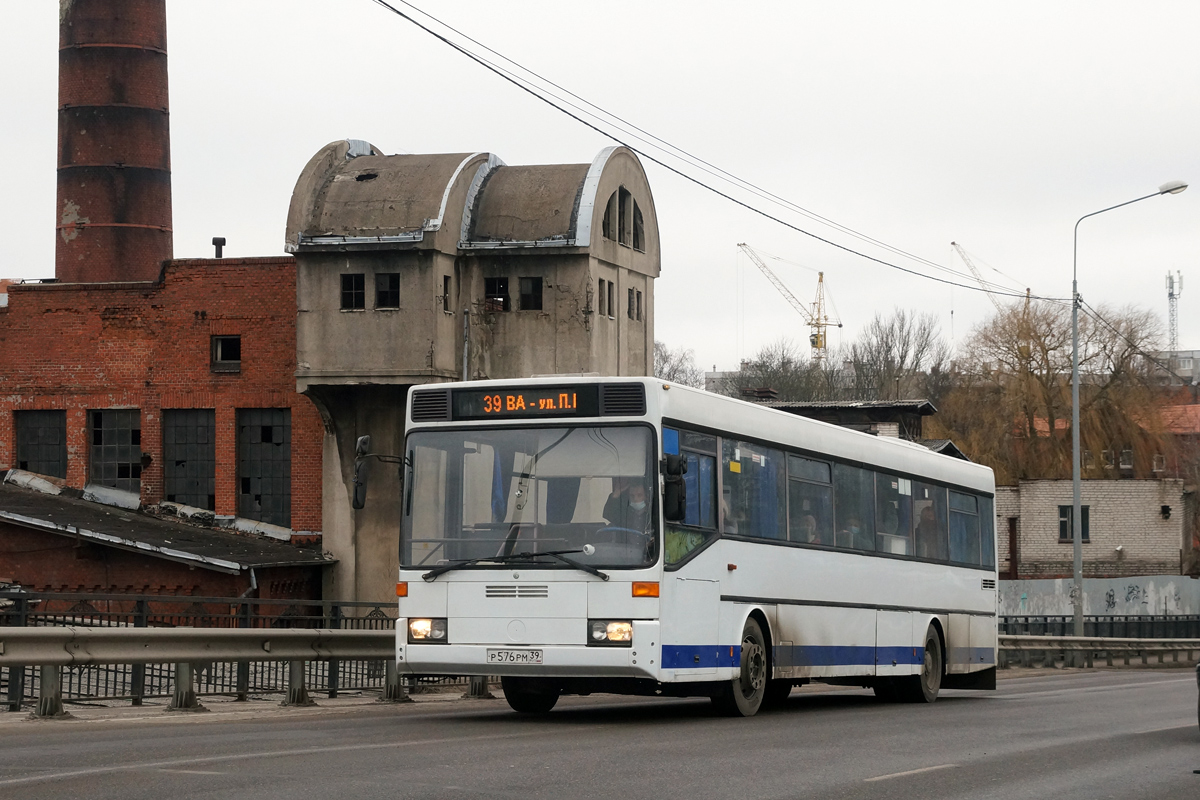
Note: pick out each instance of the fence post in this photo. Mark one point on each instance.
(184, 697)
(393, 686)
(334, 665)
(16, 673)
(478, 689)
(50, 704)
(137, 676)
(243, 667)
(297, 694)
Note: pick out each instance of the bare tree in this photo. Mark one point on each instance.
(677, 366)
(893, 354)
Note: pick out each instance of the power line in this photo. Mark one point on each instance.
(1094, 314)
(520, 84)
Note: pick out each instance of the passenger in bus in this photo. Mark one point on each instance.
(808, 530)
(855, 536)
(929, 535)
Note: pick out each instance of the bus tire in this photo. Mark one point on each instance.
(743, 696)
(924, 688)
(529, 695)
(778, 691)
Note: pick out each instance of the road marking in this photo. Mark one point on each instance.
(1188, 724)
(308, 751)
(192, 771)
(909, 772)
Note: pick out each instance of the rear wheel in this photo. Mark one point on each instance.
(743, 696)
(924, 688)
(529, 695)
(777, 694)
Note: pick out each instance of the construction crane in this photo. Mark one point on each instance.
(1174, 289)
(814, 314)
(978, 277)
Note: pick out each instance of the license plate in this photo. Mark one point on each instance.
(514, 656)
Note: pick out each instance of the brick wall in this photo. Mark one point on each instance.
(1008, 504)
(1125, 513)
(148, 346)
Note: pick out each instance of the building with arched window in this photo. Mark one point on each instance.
(417, 269)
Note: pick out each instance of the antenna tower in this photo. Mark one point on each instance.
(1174, 289)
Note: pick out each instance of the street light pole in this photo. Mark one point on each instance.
(1172, 187)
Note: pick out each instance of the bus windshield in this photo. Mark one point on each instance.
(478, 494)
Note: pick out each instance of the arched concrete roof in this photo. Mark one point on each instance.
(528, 204)
(350, 194)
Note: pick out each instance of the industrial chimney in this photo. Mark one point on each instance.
(114, 148)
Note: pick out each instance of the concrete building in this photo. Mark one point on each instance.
(416, 269)
(1130, 527)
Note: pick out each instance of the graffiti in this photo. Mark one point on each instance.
(1110, 600)
(1135, 594)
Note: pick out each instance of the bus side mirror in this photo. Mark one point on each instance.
(674, 489)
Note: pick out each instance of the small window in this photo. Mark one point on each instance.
(639, 230)
(601, 299)
(387, 289)
(531, 294)
(609, 226)
(612, 300)
(354, 293)
(639, 306)
(630, 310)
(1110, 459)
(495, 292)
(446, 295)
(1126, 459)
(42, 442)
(1086, 460)
(1185, 363)
(1160, 463)
(624, 216)
(1065, 532)
(226, 354)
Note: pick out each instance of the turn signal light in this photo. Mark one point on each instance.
(645, 588)
(402, 589)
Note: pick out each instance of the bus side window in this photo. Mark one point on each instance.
(929, 514)
(810, 501)
(854, 507)
(893, 513)
(964, 528)
(987, 532)
(700, 512)
(755, 479)
(701, 482)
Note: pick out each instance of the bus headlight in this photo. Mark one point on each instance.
(427, 631)
(610, 632)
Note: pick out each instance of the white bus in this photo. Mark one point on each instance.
(626, 535)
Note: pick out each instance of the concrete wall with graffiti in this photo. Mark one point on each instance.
(1141, 595)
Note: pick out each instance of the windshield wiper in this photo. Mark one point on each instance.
(561, 555)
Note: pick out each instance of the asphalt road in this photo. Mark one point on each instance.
(1113, 733)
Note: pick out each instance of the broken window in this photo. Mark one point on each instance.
(602, 299)
(610, 218)
(639, 306)
(264, 469)
(190, 457)
(495, 292)
(226, 354)
(639, 229)
(531, 294)
(42, 442)
(624, 216)
(629, 311)
(116, 448)
(446, 295)
(354, 293)
(387, 289)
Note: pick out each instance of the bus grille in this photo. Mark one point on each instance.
(989, 583)
(431, 406)
(622, 400)
(516, 590)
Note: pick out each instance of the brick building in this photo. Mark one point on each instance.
(1130, 527)
(179, 389)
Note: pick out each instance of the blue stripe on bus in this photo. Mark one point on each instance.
(685, 656)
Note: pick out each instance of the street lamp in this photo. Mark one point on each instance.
(1171, 187)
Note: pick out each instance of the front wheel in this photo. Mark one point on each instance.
(529, 695)
(743, 696)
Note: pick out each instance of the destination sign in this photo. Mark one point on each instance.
(517, 403)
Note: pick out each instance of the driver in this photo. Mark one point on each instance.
(628, 508)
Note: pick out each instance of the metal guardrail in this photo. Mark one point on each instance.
(1085, 651)
(1133, 626)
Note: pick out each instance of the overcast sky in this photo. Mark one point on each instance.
(993, 125)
